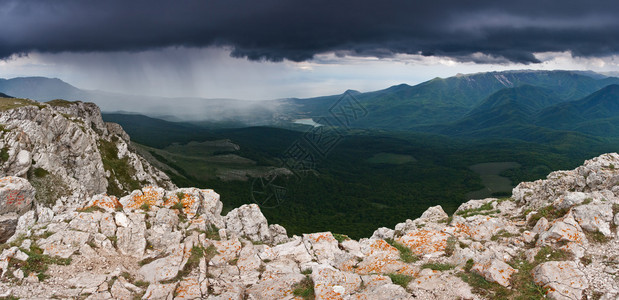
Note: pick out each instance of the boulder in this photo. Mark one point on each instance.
(495, 270)
(330, 283)
(323, 246)
(275, 287)
(563, 279)
(164, 268)
(16, 195)
(594, 217)
(248, 220)
(567, 231)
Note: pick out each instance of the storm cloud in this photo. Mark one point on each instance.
(297, 30)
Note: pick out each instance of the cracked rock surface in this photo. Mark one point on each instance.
(554, 238)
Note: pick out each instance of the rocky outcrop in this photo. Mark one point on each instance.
(554, 238)
(68, 153)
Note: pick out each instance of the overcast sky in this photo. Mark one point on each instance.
(296, 48)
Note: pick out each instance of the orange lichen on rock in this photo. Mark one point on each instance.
(105, 202)
(423, 242)
(148, 195)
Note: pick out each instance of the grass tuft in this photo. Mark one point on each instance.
(400, 279)
(304, 289)
(406, 255)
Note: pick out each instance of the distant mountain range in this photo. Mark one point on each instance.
(529, 105)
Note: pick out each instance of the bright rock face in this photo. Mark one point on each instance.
(62, 149)
(563, 279)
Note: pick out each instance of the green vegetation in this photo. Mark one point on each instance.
(437, 266)
(37, 262)
(91, 209)
(304, 289)
(391, 159)
(306, 271)
(348, 191)
(212, 233)
(10, 103)
(145, 206)
(522, 284)
(4, 154)
(340, 237)
(406, 255)
(450, 246)
(400, 279)
(597, 237)
(549, 212)
(122, 178)
(501, 234)
(49, 187)
(485, 209)
(40, 172)
(494, 183)
(61, 103)
(479, 285)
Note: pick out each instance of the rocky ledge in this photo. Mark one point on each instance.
(554, 238)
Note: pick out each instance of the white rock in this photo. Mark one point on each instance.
(563, 278)
(594, 217)
(107, 225)
(121, 219)
(131, 239)
(541, 225)
(249, 221)
(323, 246)
(16, 195)
(383, 233)
(495, 271)
(164, 268)
(330, 283)
(158, 291)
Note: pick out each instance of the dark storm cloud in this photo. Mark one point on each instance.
(299, 29)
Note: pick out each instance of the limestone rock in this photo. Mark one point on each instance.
(323, 246)
(64, 243)
(164, 268)
(16, 195)
(434, 214)
(330, 283)
(275, 287)
(160, 291)
(383, 233)
(565, 230)
(131, 239)
(594, 217)
(425, 242)
(563, 278)
(440, 285)
(249, 221)
(495, 271)
(60, 147)
(8, 224)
